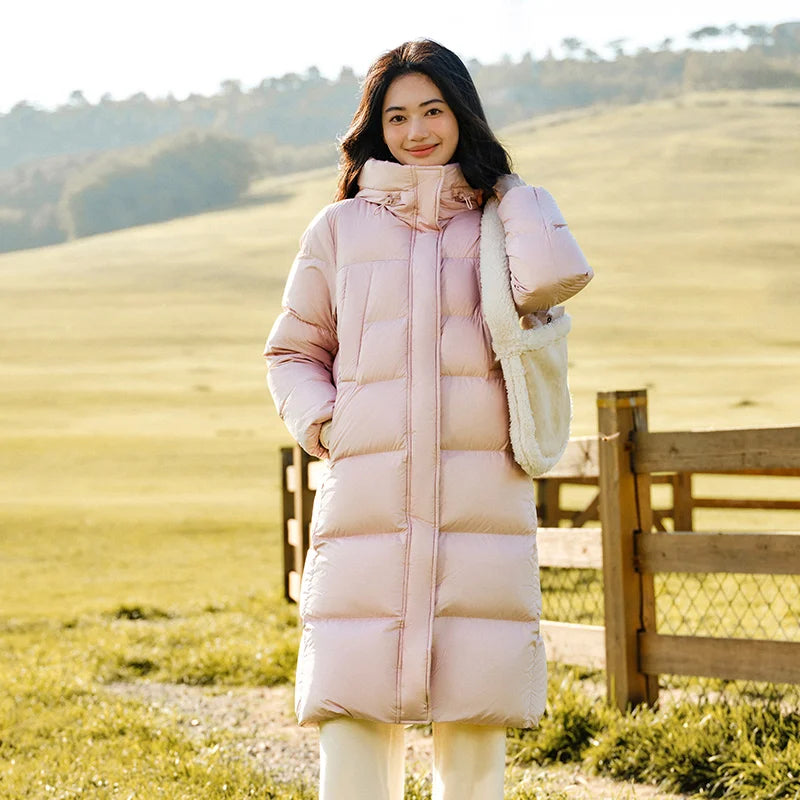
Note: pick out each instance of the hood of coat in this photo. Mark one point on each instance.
(424, 197)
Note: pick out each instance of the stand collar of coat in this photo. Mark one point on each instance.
(423, 197)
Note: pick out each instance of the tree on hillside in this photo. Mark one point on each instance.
(348, 76)
(77, 98)
(786, 37)
(708, 32)
(290, 82)
(617, 46)
(313, 75)
(231, 87)
(572, 46)
(138, 99)
(759, 35)
(183, 175)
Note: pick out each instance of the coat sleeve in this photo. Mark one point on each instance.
(546, 264)
(303, 342)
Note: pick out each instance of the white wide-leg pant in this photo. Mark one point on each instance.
(363, 760)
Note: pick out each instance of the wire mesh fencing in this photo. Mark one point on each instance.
(734, 606)
(572, 595)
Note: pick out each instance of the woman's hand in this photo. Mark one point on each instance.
(538, 319)
(324, 434)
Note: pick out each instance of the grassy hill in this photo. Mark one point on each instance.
(139, 455)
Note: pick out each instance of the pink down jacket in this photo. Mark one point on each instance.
(420, 596)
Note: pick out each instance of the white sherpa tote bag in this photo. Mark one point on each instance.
(534, 361)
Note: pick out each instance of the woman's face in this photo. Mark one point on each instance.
(418, 126)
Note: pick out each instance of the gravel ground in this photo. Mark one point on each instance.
(264, 728)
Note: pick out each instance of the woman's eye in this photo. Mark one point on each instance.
(434, 112)
(396, 118)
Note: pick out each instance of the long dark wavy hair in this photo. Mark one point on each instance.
(480, 155)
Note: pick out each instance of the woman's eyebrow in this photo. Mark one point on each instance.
(403, 108)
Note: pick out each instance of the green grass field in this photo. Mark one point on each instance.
(139, 466)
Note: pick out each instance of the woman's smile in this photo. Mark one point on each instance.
(422, 152)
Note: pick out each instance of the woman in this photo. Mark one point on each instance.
(420, 597)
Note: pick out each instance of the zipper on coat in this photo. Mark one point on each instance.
(437, 476)
(404, 610)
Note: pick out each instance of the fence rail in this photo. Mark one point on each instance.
(714, 657)
(632, 546)
(578, 548)
(743, 553)
(774, 451)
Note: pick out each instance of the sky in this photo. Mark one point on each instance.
(50, 48)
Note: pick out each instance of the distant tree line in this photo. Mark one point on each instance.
(187, 174)
(86, 168)
(294, 110)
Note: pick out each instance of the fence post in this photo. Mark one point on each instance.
(287, 502)
(682, 506)
(624, 509)
(303, 504)
(548, 493)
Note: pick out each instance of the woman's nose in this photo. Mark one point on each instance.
(418, 129)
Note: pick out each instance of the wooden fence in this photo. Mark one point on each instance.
(636, 653)
(632, 543)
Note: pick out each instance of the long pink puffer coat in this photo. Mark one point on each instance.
(420, 596)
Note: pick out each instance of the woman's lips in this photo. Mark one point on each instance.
(423, 151)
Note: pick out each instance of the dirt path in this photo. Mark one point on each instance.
(263, 724)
